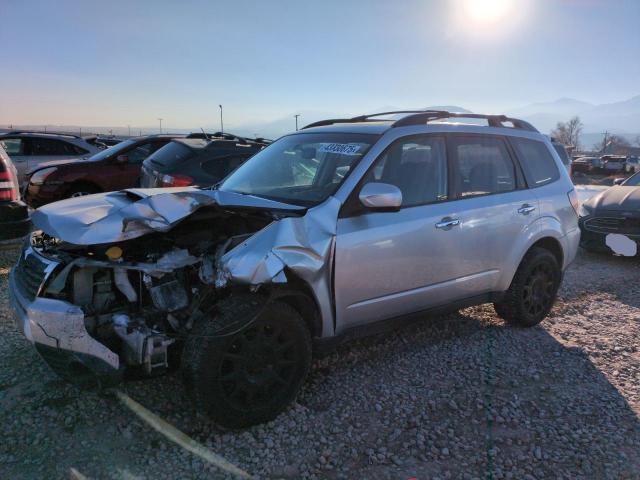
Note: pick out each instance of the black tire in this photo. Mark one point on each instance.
(533, 289)
(80, 190)
(248, 362)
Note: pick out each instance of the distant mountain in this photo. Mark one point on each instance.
(618, 117)
(557, 107)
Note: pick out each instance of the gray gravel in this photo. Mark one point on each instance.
(462, 396)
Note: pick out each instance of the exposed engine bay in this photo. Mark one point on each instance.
(141, 296)
(116, 281)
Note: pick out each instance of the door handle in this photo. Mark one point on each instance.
(447, 223)
(526, 209)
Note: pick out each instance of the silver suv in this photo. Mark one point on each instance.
(29, 149)
(345, 228)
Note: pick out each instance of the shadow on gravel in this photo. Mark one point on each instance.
(451, 396)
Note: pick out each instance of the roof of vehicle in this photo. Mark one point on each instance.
(371, 124)
(27, 133)
(201, 143)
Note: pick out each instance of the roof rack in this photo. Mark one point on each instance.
(16, 132)
(230, 137)
(358, 119)
(492, 120)
(417, 117)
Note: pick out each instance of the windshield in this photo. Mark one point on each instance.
(632, 181)
(112, 150)
(303, 169)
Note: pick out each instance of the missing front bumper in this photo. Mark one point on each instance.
(57, 330)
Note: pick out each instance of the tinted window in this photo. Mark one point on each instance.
(539, 166)
(633, 181)
(483, 165)
(13, 146)
(417, 166)
(138, 154)
(171, 154)
(562, 153)
(50, 146)
(220, 167)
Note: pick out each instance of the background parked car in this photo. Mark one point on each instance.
(613, 163)
(27, 150)
(197, 160)
(115, 168)
(614, 211)
(586, 164)
(14, 216)
(632, 165)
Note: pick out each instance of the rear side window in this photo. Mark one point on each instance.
(13, 146)
(49, 146)
(220, 167)
(171, 154)
(539, 166)
(562, 153)
(484, 166)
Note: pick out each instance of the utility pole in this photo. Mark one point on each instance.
(296, 117)
(221, 122)
(160, 120)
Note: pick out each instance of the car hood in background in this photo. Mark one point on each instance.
(118, 216)
(57, 163)
(617, 198)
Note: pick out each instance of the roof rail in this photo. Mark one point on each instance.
(492, 120)
(417, 117)
(16, 132)
(358, 119)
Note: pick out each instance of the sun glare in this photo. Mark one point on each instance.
(487, 11)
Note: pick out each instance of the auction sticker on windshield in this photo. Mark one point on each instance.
(340, 148)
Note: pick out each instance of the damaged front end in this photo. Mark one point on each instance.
(114, 282)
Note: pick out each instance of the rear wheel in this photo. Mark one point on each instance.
(248, 363)
(532, 291)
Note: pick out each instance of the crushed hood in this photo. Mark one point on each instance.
(127, 214)
(618, 198)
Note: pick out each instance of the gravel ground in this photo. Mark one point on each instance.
(462, 396)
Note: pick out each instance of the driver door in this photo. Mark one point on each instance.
(393, 263)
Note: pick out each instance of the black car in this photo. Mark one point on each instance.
(14, 215)
(200, 159)
(615, 211)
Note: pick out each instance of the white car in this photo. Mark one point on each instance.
(29, 149)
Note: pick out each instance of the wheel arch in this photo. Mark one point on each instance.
(83, 182)
(297, 294)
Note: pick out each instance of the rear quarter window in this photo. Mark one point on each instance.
(172, 153)
(537, 162)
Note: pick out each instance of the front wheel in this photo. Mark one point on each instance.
(245, 365)
(532, 291)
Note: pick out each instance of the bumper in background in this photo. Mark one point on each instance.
(14, 222)
(597, 242)
(57, 330)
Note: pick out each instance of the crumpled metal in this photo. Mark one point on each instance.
(303, 245)
(127, 214)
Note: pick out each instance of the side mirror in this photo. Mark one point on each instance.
(381, 196)
(618, 181)
(122, 159)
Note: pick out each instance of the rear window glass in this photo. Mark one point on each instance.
(171, 154)
(562, 153)
(539, 166)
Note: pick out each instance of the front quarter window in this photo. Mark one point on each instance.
(302, 169)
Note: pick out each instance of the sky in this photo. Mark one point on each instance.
(119, 63)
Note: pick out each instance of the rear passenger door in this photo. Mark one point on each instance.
(495, 209)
